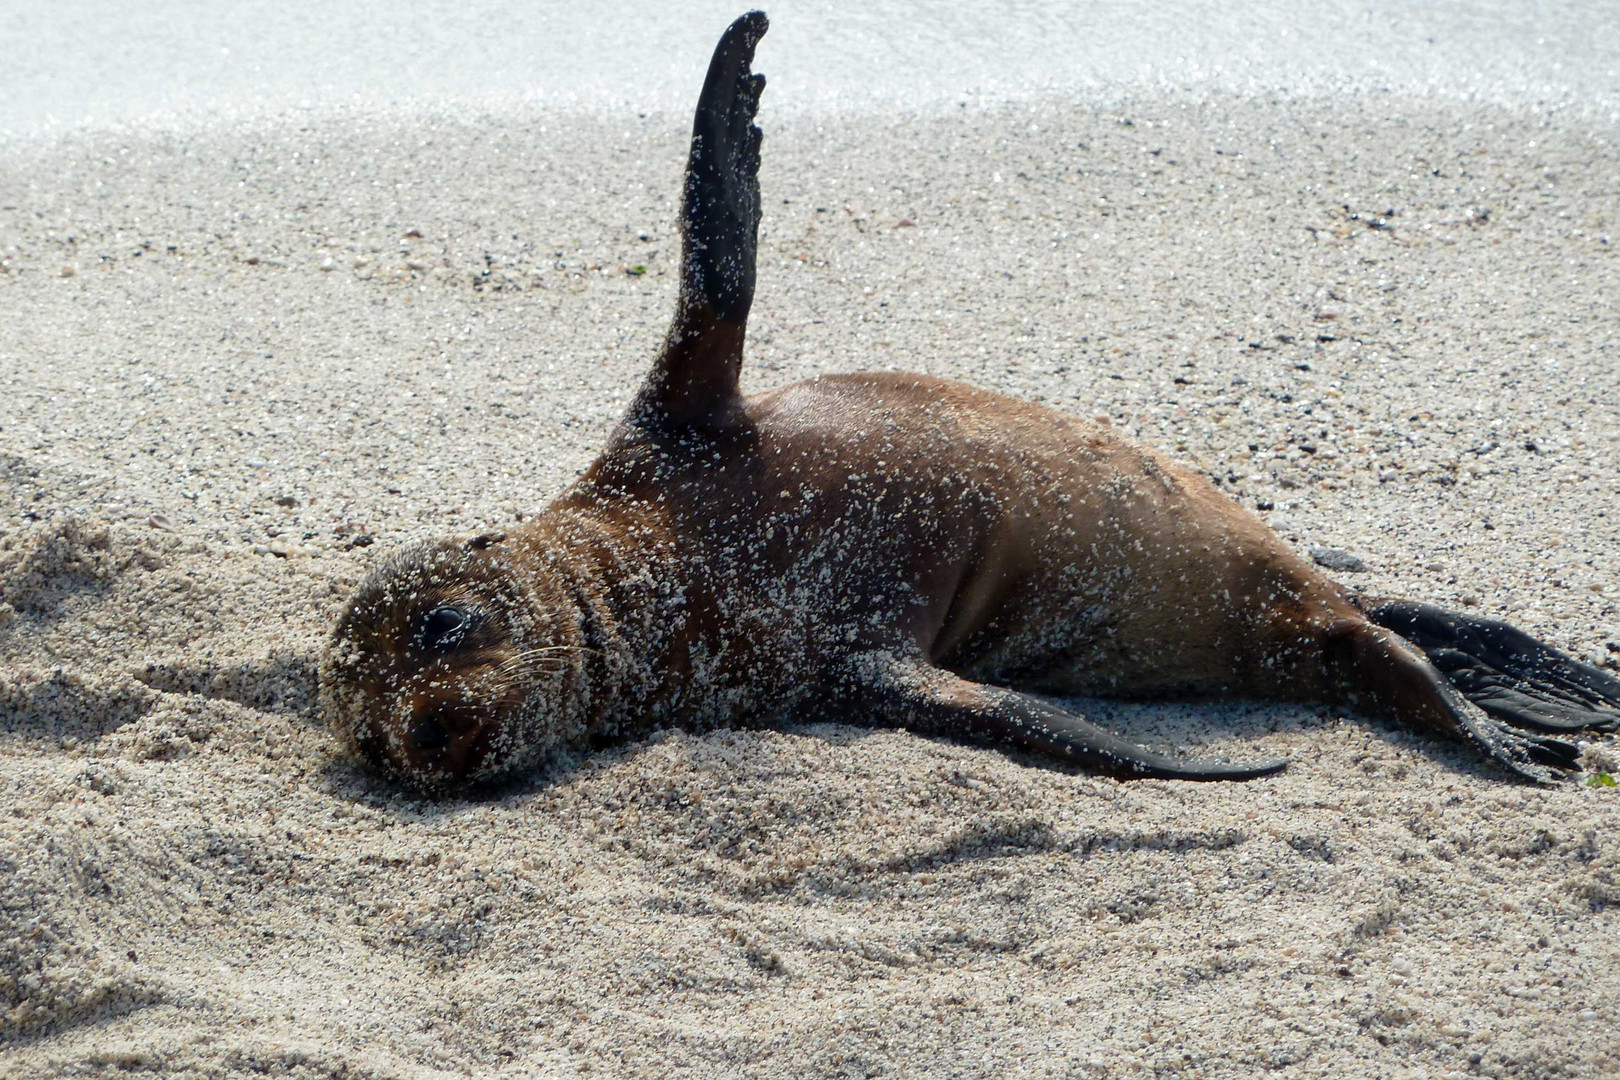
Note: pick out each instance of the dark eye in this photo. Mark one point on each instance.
(443, 629)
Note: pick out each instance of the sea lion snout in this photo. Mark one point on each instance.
(446, 744)
(435, 726)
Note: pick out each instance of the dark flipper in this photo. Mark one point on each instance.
(1378, 665)
(695, 380)
(1507, 672)
(720, 204)
(914, 695)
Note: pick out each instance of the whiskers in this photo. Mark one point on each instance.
(530, 664)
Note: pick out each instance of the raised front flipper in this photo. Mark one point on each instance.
(1507, 672)
(914, 695)
(694, 383)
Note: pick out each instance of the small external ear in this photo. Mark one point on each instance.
(483, 540)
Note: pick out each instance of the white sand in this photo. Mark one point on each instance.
(224, 355)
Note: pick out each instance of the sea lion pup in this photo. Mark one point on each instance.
(889, 549)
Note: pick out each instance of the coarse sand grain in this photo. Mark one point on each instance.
(242, 363)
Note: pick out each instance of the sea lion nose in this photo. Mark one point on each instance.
(429, 733)
(444, 743)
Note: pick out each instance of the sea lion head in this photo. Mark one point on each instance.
(453, 661)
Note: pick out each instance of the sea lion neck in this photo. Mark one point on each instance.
(589, 557)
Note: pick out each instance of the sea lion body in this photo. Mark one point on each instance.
(1004, 541)
(888, 548)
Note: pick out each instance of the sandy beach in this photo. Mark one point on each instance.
(242, 362)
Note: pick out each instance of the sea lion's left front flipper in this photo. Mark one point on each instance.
(919, 697)
(694, 383)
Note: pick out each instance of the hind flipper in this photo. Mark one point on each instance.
(694, 383)
(919, 697)
(1541, 758)
(1369, 662)
(1507, 672)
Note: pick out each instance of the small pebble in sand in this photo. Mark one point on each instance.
(1334, 559)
